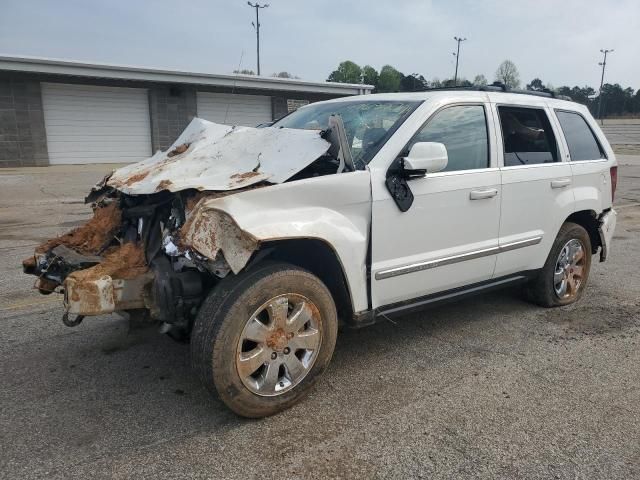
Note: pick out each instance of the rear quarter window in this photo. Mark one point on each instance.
(581, 140)
(527, 136)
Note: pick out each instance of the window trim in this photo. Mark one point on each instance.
(546, 110)
(593, 134)
(404, 150)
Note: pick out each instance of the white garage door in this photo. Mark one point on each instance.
(90, 124)
(233, 109)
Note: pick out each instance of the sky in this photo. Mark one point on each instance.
(557, 41)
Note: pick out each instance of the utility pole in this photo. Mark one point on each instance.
(256, 25)
(457, 55)
(603, 64)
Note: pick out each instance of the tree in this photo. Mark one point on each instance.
(536, 85)
(582, 95)
(480, 81)
(369, 76)
(507, 73)
(347, 72)
(389, 79)
(413, 83)
(283, 75)
(244, 72)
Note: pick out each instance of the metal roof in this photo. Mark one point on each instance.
(54, 66)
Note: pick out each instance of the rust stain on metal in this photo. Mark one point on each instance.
(91, 237)
(45, 285)
(126, 261)
(178, 150)
(90, 291)
(164, 185)
(238, 177)
(208, 231)
(136, 178)
(29, 264)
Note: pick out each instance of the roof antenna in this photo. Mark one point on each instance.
(233, 89)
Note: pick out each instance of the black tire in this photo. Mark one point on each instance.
(540, 289)
(222, 318)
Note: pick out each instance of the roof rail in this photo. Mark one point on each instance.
(501, 87)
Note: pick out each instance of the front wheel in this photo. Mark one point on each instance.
(263, 337)
(564, 276)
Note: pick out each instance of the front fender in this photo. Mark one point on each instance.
(333, 208)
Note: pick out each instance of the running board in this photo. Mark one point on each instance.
(407, 306)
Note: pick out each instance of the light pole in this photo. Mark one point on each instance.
(457, 55)
(256, 25)
(603, 63)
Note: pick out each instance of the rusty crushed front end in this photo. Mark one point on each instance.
(157, 243)
(135, 255)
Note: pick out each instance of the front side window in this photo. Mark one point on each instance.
(527, 136)
(463, 130)
(368, 124)
(580, 138)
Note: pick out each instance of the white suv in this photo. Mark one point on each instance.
(254, 242)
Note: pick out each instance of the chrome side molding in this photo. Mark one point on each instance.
(441, 262)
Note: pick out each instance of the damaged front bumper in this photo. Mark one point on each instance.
(106, 294)
(158, 253)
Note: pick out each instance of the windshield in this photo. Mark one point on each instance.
(368, 124)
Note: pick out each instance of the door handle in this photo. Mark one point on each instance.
(481, 194)
(561, 183)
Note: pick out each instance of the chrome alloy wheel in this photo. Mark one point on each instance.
(279, 344)
(569, 271)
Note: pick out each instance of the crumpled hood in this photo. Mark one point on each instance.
(211, 156)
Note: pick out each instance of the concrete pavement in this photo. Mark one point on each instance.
(491, 387)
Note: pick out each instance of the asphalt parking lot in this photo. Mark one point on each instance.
(491, 387)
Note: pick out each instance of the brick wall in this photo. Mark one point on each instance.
(171, 109)
(23, 140)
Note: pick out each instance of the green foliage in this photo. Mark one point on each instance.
(369, 75)
(616, 100)
(389, 79)
(413, 83)
(244, 72)
(536, 85)
(347, 72)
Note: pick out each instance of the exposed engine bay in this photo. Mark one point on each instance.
(153, 246)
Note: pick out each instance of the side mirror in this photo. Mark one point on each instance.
(429, 157)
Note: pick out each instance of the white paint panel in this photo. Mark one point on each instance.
(234, 109)
(92, 124)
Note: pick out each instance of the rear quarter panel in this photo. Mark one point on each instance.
(591, 178)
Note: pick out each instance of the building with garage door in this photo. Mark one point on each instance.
(60, 112)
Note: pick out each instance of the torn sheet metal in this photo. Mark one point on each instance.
(211, 156)
(211, 231)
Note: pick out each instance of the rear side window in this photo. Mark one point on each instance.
(463, 130)
(527, 135)
(580, 138)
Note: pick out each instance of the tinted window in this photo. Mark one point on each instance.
(582, 143)
(527, 136)
(463, 130)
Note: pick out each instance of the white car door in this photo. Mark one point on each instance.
(537, 190)
(448, 237)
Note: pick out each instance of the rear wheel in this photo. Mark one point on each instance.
(564, 276)
(263, 337)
